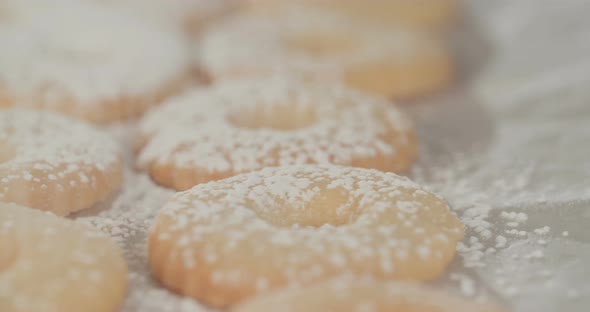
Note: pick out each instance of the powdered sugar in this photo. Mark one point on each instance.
(46, 142)
(478, 188)
(44, 139)
(538, 168)
(231, 128)
(289, 212)
(271, 44)
(87, 52)
(127, 220)
(362, 294)
(505, 192)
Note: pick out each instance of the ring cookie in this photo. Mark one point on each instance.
(355, 294)
(51, 264)
(224, 241)
(88, 61)
(390, 62)
(210, 134)
(54, 163)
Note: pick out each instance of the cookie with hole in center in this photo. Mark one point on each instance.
(225, 241)
(242, 126)
(88, 61)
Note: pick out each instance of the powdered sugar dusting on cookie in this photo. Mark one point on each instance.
(236, 127)
(45, 139)
(319, 220)
(354, 44)
(85, 52)
(43, 152)
(127, 220)
(362, 294)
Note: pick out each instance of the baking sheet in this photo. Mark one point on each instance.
(508, 148)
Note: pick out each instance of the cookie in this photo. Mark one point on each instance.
(349, 294)
(52, 264)
(53, 163)
(88, 61)
(225, 241)
(395, 63)
(214, 133)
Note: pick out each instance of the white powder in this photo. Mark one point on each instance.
(88, 52)
(250, 33)
(338, 126)
(530, 166)
(35, 145)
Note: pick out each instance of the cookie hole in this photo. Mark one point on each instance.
(7, 152)
(275, 117)
(320, 45)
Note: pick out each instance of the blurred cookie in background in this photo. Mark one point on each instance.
(88, 61)
(396, 63)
